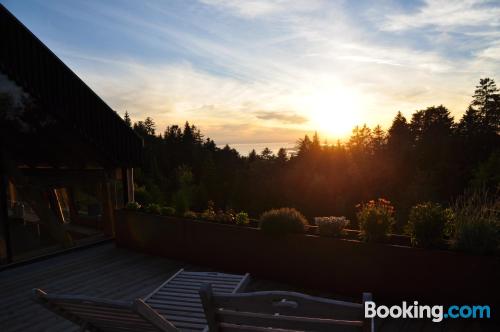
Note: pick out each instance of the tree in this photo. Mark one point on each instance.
(399, 134)
(127, 120)
(140, 128)
(487, 103)
(379, 138)
(282, 156)
(315, 145)
(434, 155)
(360, 141)
(252, 156)
(267, 154)
(478, 129)
(431, 123)
(149, 126)
(304, 146)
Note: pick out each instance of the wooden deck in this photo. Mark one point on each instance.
(100, 271)
(120, 274)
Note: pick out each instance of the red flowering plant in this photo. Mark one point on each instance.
(376, 219)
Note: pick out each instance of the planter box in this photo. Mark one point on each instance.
(348, 267)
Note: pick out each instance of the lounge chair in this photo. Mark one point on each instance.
(174, 306)
(178, 299)
(95, 315)
(281, 311)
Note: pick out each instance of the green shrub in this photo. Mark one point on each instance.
(283, 221)
(426, 224)
(167, 211)
(190, 214)
(331, 226)
(153, 208)
(180, 203)
(375, 219)
(475, 226)
(183, 197)
(242, 218)
(133, 206)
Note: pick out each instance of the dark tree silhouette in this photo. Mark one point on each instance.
(127, 120)
(429, 158)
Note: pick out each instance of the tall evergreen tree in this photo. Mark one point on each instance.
(127, 120)
(487, 102)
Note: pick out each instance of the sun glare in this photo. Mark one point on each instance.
(334, 114)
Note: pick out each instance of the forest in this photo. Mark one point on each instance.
(428, 157)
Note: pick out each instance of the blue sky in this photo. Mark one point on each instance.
(271, 71)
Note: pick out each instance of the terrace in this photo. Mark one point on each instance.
(64, 183)
(120, 274)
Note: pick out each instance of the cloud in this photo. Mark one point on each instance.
(491, 53)
(262, 8)
(214, 65)
(285, 117)
(447, 15)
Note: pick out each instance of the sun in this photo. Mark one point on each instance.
(334, 113)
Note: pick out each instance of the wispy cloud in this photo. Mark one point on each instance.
(447, 15)
(271, 70)
(262, 8)
(285, 117)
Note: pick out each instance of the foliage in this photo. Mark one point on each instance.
(283, 221)
(424, 156)
(153, 208)
(209, 213)
(475, 226)
(142, 196)
(182, 198)
(242, 218)
(167, 211)
(190, 215)
(426, 224)
(226, 217)
(331, 226)
(133, 206)
(375, 219)
(127, 120)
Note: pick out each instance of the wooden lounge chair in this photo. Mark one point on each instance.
(178, 299)
(94, 314)
(279, 311)
(174, 306)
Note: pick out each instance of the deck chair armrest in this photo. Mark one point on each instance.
(152, 316)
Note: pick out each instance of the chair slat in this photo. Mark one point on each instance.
(178, 299)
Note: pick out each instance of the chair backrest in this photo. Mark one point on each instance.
(281, 311)
(104, 315)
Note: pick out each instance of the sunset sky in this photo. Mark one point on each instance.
(270, 71)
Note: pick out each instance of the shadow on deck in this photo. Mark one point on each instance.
(120, 274)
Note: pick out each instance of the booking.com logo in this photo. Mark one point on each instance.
(437, 312)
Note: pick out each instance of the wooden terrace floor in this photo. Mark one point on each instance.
(120, 274)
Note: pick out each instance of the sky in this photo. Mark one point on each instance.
(259, 71)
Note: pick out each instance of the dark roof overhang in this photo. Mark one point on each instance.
(60, 92)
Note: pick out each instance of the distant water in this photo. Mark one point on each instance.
(245, 148)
